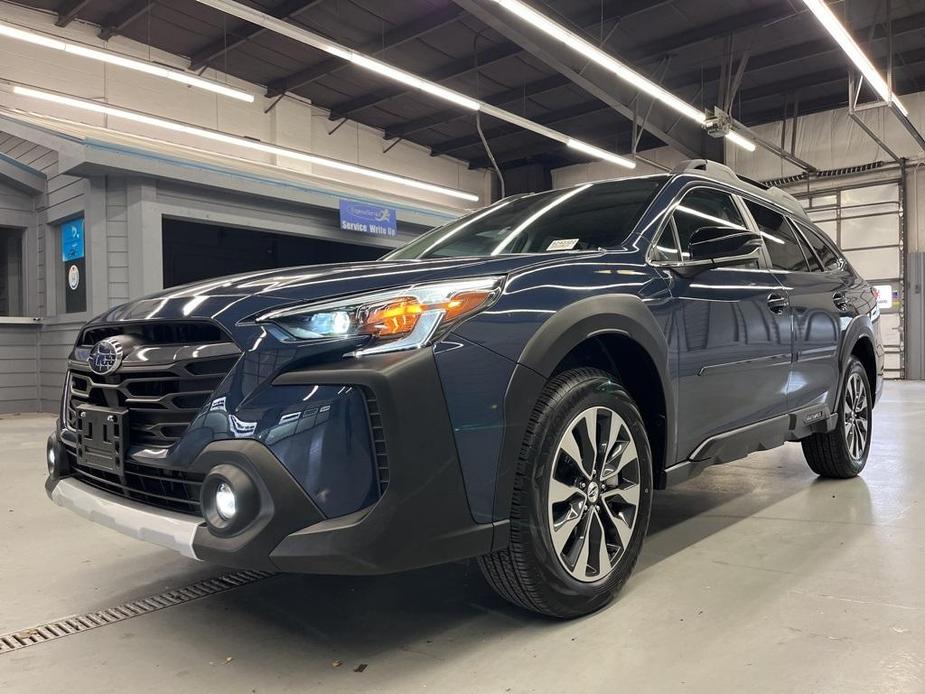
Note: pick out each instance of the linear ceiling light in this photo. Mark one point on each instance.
(39, 39)
(611, 64)
(216, 136)
(854, 52)
(742, 142)
(310, 38)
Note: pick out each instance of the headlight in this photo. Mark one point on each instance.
(395, 319)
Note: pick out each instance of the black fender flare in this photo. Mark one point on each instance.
(621, 314)
(858, 328)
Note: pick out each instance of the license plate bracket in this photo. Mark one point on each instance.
(102, 437)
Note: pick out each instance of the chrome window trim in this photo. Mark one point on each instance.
(761, 258)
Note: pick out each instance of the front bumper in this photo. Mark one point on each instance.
(174, 531)
(422, 518)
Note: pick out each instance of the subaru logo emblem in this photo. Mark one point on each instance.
(105, 357)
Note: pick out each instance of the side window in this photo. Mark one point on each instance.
(704, 207)
(666, 246)
(830, 259)
(785, 249)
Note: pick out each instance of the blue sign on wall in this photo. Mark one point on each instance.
(72, 240)
(367, 218)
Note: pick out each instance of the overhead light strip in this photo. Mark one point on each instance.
(576, 43)
(742, 142)
(310, 38)
(216, 136)
(854, 52)
(47, 41)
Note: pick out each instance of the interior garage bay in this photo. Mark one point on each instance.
(328, 199)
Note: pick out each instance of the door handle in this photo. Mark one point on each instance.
(841, 301)
(777, 302)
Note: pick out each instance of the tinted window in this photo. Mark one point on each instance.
(830, 259)
(786, 250)
(11, 278)
(666, 247)
(704, 207)
(588, 217)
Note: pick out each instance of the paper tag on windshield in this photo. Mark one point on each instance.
(562, 245)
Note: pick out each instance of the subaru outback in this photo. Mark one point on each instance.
(512, 387)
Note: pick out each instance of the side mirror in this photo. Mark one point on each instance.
(721, 246)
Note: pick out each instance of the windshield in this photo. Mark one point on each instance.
(587, 217)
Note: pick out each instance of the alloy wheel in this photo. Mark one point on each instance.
(856, 416)
(593, 499)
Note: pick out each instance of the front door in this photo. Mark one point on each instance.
(735, 334)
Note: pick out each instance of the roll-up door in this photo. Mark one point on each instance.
(865, 219)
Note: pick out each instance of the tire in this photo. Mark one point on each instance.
(840, 454)
(535, 571)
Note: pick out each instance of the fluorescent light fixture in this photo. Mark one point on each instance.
(609, 63)
(600, 153)
(735, 138)
(39, 39)
(606, 61)
(216, 136)
(412, 80)
(310, 38)
(854, 52)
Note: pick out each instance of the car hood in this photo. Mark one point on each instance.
(228, 300)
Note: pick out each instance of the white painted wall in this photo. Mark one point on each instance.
(293, 122)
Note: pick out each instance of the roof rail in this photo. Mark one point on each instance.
(712, 168)
(721, 172)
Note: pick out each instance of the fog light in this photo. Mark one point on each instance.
(225, 502)
(50, 456)
(230, 500)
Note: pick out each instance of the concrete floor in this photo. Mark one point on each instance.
(756, 577)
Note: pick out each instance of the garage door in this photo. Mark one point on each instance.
(865, 220)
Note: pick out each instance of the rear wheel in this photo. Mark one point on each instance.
(842, 452)
(582, 495)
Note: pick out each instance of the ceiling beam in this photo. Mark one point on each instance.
(117, 20)
(805, 83)
(815, 79)
(494, 134)
(68, 10)
(683, 136)
(771, 59)
(643, 54)
(408, 127)
(540, 148)
(396, 36)
(588, 20)
(244, 32)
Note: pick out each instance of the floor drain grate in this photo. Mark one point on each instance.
(84, 622)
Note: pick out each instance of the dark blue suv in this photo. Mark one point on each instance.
(512, 386)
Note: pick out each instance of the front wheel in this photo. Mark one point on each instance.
(842, 452)
(582, 496)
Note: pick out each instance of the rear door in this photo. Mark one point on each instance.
(836, 292)
(817, 302)
(734, 330)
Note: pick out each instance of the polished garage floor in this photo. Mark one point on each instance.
(756, 577)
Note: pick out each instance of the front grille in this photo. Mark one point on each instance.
(162, 402)
(168, 489)
(163, 383)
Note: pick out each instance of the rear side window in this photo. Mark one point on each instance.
(704, 207)
(830, 259)
(786, 250)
